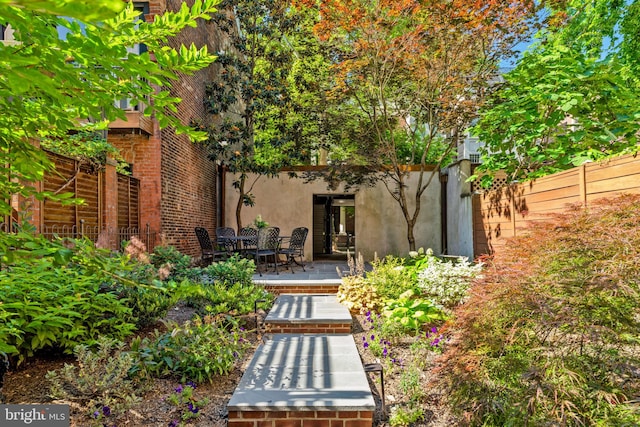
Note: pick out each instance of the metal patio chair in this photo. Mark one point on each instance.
(225, 238)
(296, 247)
(268, 244)
(209, 252)
(249, 240)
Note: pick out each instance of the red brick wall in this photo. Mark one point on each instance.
(300, 419)
(177, 179)
(188, 176)
(308, 328)
(302, 289)
(144, 153)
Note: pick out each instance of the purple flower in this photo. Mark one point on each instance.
(96, 414)
(373, 337)
(385, 352)
(191, 384)
(106, 411)
(434, 329)
(173, 423)
(365, 345)
(193, 408)
(178, 389)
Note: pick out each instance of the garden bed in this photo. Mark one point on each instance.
(28, 385)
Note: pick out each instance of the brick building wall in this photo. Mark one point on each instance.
(177, 179)
(189, 178)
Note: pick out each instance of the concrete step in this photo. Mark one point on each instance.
(319, 314)
(303, 380)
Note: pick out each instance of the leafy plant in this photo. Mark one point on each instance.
(175, 263)
(100, 382)
(236, 299)
(550, 333)
(406, 415)
(445, 282)
(44, 306)
(390, 277)
(411, 312)
(357, 295)
(188, 406)
(197, 351)
(234, 270)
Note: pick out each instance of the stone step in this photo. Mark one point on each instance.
(303, 380)
(311, 286)
(319, 314)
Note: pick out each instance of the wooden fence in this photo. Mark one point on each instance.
(506, 212)
(91, 219)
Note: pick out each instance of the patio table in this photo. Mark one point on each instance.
(235, 240)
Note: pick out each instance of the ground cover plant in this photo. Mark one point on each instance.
(550, 333)
(401, 314)
(69, 297)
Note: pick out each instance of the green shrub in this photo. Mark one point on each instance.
(390, 277)
(358, 296)
(46, 306)
(550, 334)
(171, 263)
(220, 298)
(196, 351)
(406, 415)
(147, 302)
(231, 271)
(445, 282)
(100, 382)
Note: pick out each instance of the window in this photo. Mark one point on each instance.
(143, 8)
(474, 157)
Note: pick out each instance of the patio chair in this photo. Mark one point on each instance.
(249, 241)
(296, 247)
(268, 244)
(209, 252)
(222, 236)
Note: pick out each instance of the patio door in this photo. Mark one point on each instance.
(333, 226)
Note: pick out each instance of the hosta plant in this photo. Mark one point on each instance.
(411, 313)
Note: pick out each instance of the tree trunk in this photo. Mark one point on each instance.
(240, 202)
(410, 237)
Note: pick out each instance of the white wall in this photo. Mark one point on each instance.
(379, 226)
(459, 210)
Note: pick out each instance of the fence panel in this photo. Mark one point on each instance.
(508, 211)
(80, 180)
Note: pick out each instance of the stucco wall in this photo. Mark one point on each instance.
(379, 225)
(459, 210)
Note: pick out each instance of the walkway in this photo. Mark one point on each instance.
(301, 378)
(320, 277)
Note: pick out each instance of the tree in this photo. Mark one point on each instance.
(254, 138)
(418, 72)
(52, 85)
(574, 97)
